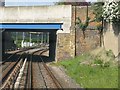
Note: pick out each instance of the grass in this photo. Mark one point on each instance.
(89, 76)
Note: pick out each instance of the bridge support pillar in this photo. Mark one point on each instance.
(52, 45)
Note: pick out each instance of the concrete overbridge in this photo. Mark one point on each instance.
(57, 20)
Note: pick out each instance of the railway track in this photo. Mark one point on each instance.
(10, 69)
(29, 69)
(55, 81)
(22, 73)
(28, 65)
(6, 59)
(10, 74)
(47, 78)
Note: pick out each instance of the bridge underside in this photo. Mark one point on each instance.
(51, 28)
(28, 26)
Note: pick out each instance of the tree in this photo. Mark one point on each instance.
(82, 25)
(110, 8)
(101, 10)
(97, 8)
(111, 11)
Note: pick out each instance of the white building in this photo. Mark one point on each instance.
(26, 44)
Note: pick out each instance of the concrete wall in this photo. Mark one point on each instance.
(112, 37)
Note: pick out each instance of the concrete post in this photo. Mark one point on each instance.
(23, 36)
(42, 38)
(37, 38)
(45, 38)
(48, 38)
(16, 38)
(30, 40)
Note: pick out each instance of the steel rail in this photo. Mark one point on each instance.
(13, 55)
(29, 70)
(8, 70)
(29, 76)
(56, 82)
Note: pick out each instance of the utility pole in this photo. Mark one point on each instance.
(42, 38)
(16, 38)
(75, 31)
(45, 38)
(37, 38)
(48, 38)
(23, 36)
(30, 40)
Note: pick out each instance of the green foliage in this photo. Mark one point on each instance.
(82, 25)
(98, 61)
(107, 64)
(119, 5)
(91, 77)
(102, 76)
(109, 53)
(98, 10)
(99, 27)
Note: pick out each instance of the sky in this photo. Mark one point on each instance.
(35, 2)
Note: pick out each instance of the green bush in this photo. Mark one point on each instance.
(98, 61)
(109, 53)
(106, 64)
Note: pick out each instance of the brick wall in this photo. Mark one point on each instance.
(92, 37)
(90, 42)
(66, 41)
(63, 46)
